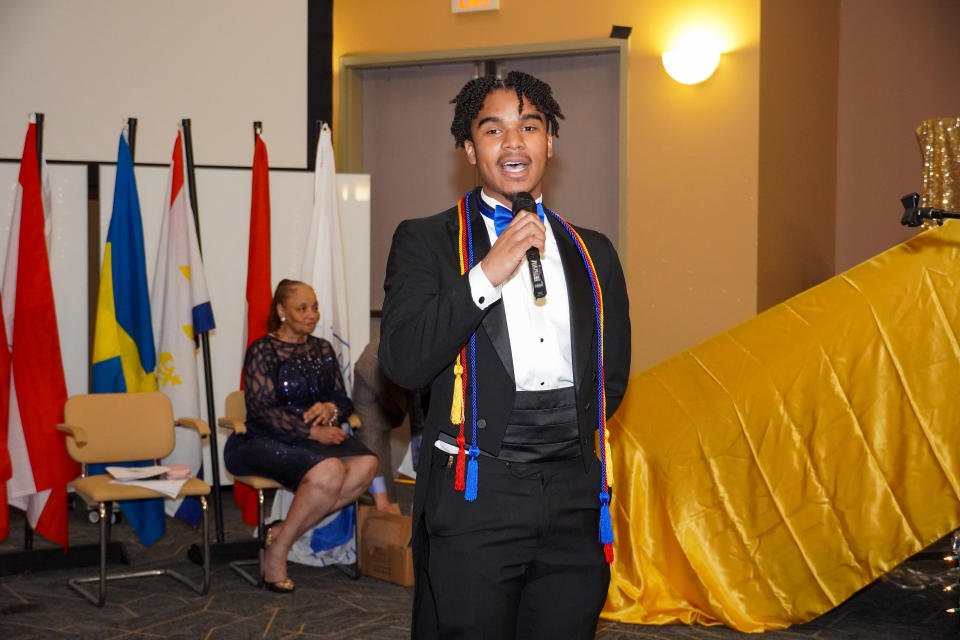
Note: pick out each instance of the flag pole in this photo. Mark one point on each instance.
(205, 344)
(221, 551)
(27, 529)
(316, 138)
(132, 137)
(39, 117)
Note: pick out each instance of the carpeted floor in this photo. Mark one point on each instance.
(37, 604)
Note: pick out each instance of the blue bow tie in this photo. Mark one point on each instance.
(502, 216)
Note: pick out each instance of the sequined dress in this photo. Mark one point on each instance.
(282, 380)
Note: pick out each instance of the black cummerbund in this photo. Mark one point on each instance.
(542, 427)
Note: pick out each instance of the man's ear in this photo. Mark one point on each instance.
(471, 151)
(549, 145)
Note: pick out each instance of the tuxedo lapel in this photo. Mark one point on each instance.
(494, 323)
(580, 297)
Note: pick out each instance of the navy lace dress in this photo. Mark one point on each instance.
(282, 380)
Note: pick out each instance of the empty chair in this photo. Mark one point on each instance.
(106, 428)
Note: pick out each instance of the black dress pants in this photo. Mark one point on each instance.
(522, 561)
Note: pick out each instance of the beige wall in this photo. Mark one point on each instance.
(843, 85)
(798, 139)
(90, 65)
(899, 64)
(691, 225)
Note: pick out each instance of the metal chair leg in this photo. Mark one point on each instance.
(99, 600)
(262, 537)
(104, 510)
(238, 565)
(205, 586)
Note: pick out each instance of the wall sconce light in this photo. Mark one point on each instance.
(694, 59)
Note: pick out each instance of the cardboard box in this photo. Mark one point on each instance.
(384, 546)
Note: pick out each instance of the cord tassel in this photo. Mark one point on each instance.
(472, 472)
(456, 408)
(606, 526)
(459, 483)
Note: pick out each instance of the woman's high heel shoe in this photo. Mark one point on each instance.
(281, 586)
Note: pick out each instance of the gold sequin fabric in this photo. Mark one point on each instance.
(939, 140)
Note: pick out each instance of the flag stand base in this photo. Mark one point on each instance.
(87, 555)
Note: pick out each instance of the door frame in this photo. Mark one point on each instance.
(349, 125)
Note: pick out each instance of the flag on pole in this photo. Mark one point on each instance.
(182, 312)
(258, 295)
(40, 466)
(332, 540)
(123, 352)
(323, 258)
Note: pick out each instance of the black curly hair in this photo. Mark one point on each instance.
(470, 100)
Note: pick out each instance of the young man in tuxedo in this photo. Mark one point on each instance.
(510, 550)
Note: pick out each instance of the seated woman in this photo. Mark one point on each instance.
(295, 397)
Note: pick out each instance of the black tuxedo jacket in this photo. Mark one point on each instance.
(429, 314)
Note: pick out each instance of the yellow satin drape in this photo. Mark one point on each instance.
(767, 474)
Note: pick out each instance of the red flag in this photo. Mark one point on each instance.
(259, 295)
(41, 466)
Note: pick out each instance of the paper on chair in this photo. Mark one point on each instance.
(136, 473)
(167, 487)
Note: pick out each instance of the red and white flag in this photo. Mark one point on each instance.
(259, 296)
(40, 465)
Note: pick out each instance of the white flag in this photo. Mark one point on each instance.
(181, 312)
(323, 258)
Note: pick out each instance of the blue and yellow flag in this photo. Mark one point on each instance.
(123, 352)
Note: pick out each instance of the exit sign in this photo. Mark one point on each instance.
(465, 6)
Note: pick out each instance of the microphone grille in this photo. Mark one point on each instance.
(523, 201)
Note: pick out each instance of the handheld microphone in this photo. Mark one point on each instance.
(523, 201)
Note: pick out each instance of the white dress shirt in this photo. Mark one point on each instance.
(539, 332)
